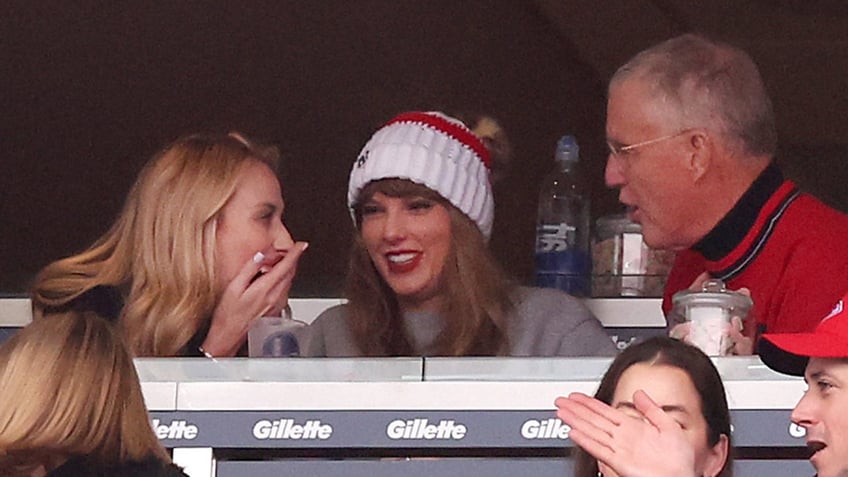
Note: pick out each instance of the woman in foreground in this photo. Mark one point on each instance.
(660, 411)
(71, 404)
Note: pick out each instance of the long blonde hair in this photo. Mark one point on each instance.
(68, 388)
(477, 291)
(161, 250)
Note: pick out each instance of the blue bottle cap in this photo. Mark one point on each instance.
(567, 149)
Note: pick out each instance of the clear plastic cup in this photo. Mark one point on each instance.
(274, 337)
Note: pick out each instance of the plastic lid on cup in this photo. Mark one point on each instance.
(714, 294)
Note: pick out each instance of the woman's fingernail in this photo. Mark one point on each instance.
(258, 257)
(305, 246)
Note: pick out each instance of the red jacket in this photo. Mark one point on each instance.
(788, 248)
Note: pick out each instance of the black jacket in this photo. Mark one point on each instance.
(107, 302)
(80, 467)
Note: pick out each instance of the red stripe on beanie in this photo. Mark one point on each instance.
(455, 131)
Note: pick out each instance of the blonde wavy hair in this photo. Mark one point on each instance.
(68, 388)
(160, 253)
(477, 291)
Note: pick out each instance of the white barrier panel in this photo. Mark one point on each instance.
(497, 410)
(612, 312)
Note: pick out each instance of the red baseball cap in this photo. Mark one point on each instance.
(789, 352)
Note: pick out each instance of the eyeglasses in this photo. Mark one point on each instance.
(627, 149)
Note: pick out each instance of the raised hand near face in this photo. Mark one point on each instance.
(261, 288)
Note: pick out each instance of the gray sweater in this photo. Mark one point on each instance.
(544, 322)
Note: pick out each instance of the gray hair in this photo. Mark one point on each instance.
(708, 84)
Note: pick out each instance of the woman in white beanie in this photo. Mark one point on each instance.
(421, 280)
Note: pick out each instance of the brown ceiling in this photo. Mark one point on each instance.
(90, 91)
(801, 47)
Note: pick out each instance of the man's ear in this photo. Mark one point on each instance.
(700, 153)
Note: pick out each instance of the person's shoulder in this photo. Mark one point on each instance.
(813, 232)
(558, 324)
(330, 335)
(816, 215)
(105, 301)
(535, 296)
(150, 468)
(551, 305)
(332, 316)
(83, 467)
(326, 327)
(172, 470)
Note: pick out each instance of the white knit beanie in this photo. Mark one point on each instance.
(435, 150)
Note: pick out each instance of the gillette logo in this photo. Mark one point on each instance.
(287, 429)
(175, 430)
(422, 429)
(548, 429)
(797, 431)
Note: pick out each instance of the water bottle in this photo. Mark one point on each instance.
(563, 257)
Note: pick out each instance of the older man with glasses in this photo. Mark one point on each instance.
(692, 140)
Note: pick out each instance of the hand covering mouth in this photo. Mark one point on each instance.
(270, 258)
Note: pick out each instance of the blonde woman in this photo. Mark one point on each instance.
(71, 404)
(198, 252)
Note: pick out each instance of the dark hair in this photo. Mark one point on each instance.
(662, 350)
